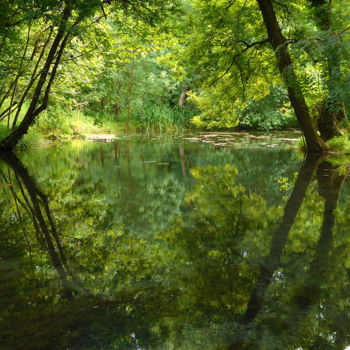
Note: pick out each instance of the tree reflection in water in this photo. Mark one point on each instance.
(217, 265)
(308, 295)
(43, 314)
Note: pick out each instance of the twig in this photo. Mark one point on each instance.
(344, 30)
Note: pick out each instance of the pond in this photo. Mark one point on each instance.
(205, 241)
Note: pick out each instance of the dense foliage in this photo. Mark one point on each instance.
(160, 64)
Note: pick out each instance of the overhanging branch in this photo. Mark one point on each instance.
(248, 46)
(254, 43)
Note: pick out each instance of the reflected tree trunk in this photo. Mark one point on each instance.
(36, 203)
(329, 187)
(128, 157)
(143, 166)
(101, 155)
(309, 296)
(116, 151)
(279, 239)
(183, 161)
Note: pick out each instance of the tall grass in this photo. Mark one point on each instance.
(161, 118)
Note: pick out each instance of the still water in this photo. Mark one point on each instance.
(209, 242)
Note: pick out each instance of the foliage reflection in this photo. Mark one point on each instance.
(170, 245)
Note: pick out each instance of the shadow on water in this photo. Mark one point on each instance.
(183, 251)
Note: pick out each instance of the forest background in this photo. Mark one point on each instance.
(73, 67)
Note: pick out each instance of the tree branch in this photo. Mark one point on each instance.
(344, 30)
(254, 43)
(103, 11)
(248, 46)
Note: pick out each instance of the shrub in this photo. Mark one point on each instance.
(272, 112)
(340, 144)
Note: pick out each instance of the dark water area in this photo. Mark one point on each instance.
(199, 242)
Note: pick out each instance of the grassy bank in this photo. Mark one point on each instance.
(57, 124)
(63, 125)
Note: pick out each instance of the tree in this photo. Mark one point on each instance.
(233, 54)
(67, 21)
(313, 142)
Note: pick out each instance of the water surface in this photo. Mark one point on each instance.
(174, 243)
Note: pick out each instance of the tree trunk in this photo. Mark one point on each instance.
(331, 112)
(33, 77)
(116, 111)
(34, 110)
(313, 142)
(130, 94)
(19, 74)
(116, 106)
(183, 96)
(102, 104)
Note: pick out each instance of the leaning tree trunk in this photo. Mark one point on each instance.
(279, 240)
(313, 142)
(36, 107)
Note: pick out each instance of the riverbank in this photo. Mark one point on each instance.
(64, 128)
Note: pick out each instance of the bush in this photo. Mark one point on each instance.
(62, 123)
(272, 112)
(54, 120)
(340, 144)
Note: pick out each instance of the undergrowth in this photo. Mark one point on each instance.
(340, 144)
(60, 124)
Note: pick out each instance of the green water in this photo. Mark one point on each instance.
(173, 243)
